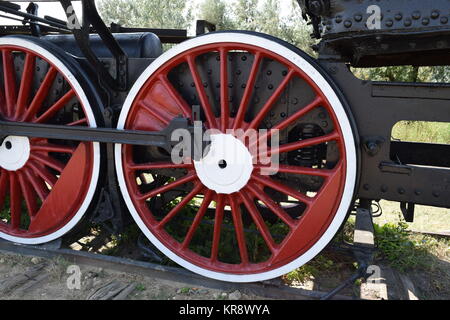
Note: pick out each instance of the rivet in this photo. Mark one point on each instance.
(244, 58)
(444, 20)
(243, 86)
(328, 27)
(324, 124)
(294, 101)
(338, 19)
(238, 72)
(398, 16)
(270, 86)
(205, 84)
(389, 23)
(436, 194)
(269, 73)
(416, 15)
(347, 23)
(425, 21)
(209, 71)
(435, 14)
(357, 17)
(230, 85)
(401, 190)
(284, 73)
(407, 22)
(283, 115)
(192, 84)
(417, 192)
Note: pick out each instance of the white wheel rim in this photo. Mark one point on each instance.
(320, 81)
(31, 46)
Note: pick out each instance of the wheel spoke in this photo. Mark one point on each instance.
(9, 78)
(306, 143)
(198, 218)
(188, 178)
(281, 188)
(78, 122)
(239, 229)
(65, 193)
(297, 170)
(43, 172)
(155, 111)
(201, 93)
(4, 184)
(260, 224)
(61, 103)
(48, 161)
(197, 189)
(218, 219)
(224, 100)
(28, 194)
(259, 193)
(48, 147)
(159, 165)
(25, 84)
(284, 124)
(311, 221)
(41, 94)
(248, 91)
(38, 184)
(15, 201)
(271, 101)
(181, 103)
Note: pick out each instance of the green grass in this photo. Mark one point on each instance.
(421, 131)
(426, 218)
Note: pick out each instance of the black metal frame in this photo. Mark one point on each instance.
(392, 170)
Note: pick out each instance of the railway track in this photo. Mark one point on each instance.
(268, 289)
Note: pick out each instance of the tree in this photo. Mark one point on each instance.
(147, 13)
(217, 12)
(245, 13)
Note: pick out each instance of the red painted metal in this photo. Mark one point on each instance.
(46, 193)
(156, 104)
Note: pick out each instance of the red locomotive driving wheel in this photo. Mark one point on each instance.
(46, 185)
(232, 221)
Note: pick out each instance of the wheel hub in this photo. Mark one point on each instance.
(14, 153)
(227, 166)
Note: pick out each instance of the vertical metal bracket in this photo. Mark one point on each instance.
(81, 33)
(407, 211)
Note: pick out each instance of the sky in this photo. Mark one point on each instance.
(55, 10)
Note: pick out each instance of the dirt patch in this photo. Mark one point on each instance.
(57, 285)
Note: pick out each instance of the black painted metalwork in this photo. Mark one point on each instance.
(407, 172)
